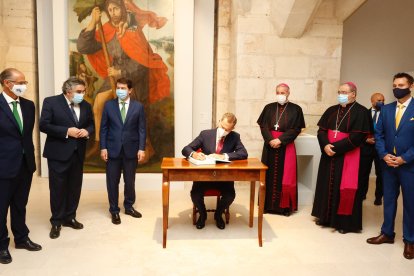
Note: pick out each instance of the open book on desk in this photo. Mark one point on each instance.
(208, 161)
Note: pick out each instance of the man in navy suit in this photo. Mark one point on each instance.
(221, 143)
(369, 153)
(17, 161)
(122, 139)
(68, 122)
(394, 135)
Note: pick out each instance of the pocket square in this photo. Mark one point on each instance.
(412, 119)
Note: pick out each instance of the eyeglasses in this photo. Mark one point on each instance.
(19, 82)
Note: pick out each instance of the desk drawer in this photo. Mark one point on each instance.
(214, 175)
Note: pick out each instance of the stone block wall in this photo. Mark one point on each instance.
(253, 58)
(18, 47)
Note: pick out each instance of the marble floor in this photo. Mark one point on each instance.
(291, 246)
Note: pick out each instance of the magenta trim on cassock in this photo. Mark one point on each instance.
(349, 179)
(288, 194)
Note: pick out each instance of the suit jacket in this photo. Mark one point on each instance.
(366, 148)
(387, 137)
(55, 120)
(16, 147)
(206, 141)
(130, 135)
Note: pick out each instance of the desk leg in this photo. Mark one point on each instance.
(252, 192)
(262, 194)
(165, 207)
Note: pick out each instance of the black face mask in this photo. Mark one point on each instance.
(401, 92)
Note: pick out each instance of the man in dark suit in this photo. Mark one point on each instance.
(68, 122)
(221, 143)
(395, 145)
(122, 139)
(369, 153)
(17, 161)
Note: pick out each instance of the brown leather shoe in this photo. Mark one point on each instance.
(409, 251)
(380, 239)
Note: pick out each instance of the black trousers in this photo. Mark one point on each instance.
(114, 168)
(227, 195)
(65, 185)
(14, 194)
(365, 170)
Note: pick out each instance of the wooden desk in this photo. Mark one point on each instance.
(179, 169)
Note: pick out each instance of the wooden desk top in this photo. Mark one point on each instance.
(182, 163)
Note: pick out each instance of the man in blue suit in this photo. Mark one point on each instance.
(68, 122)
(394, 137)
(17, 162)
(122, 141)
(221, 143)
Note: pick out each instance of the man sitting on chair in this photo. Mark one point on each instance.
(221, 143)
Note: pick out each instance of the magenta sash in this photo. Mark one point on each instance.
(349, 179)
(289, 175)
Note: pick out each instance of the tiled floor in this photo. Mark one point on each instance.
(292, 245)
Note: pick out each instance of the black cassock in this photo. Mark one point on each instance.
(289, 118)
(355, 121)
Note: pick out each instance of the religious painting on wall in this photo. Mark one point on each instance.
(109, 39)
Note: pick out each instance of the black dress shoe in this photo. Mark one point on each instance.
(73, 223)
(116, 219)
(54, 232)
(133, 213)
(286, 213)
(378, 201)
(220, 222)
(29, 245)
(342, 231)
(201, 222)
(5, 257)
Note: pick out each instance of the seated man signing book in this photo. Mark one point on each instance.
(220, 143)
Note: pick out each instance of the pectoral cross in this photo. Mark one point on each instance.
(276, 126)
(336, 132)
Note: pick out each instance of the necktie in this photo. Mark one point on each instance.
(123, 113)
(17, 116)
(374, 118)
(399, 115)
(398, 119)
(74, 113)
(220, 144)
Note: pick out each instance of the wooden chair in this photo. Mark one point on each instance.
(216, 193)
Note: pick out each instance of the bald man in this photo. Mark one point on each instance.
(369, 154)
(17, 161)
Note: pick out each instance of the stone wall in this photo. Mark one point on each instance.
(18, 47)
(253, 58)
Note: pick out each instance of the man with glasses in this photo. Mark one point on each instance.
(17, 162)
(68, 122)
(342, 130)
(221, 143)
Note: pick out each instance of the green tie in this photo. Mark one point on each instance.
(123, 115)
(17, 116)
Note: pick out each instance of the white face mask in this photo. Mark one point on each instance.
(222, 132)
(281, 99)
(19, 89)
